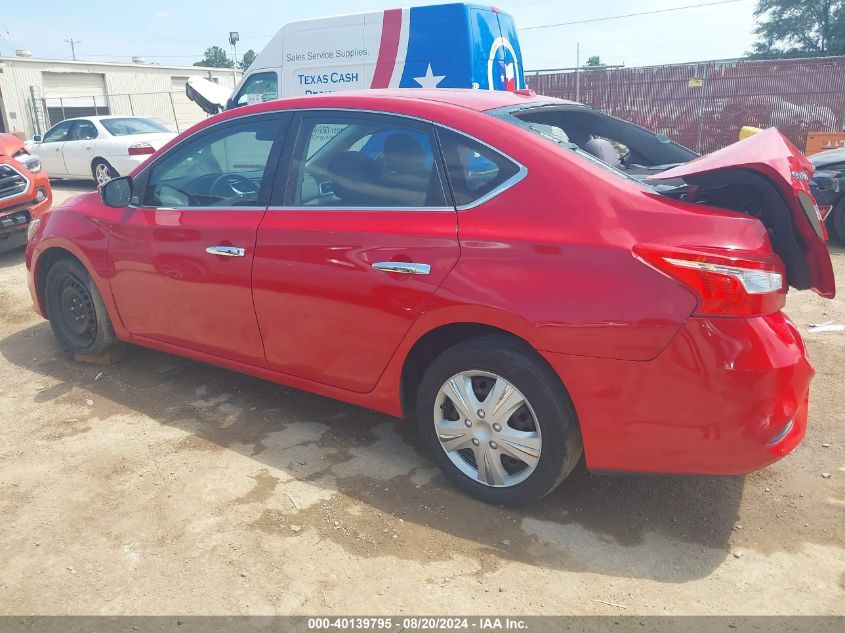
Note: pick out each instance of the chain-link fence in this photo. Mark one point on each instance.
(704, 105)
(172, 109)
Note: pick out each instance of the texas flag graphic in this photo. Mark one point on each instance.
(447, 46)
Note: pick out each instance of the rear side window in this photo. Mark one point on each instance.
(83, 131)
(475, 170)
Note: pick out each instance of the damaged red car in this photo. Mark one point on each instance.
(532, 280)
(25, 191)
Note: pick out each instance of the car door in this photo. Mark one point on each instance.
(352, 249)
(78, 149)
(182, 257)
(51, 146)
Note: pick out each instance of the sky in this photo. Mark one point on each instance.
(177, 33)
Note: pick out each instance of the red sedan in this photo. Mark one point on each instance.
(494, 264)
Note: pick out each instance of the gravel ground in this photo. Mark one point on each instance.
(159, 486)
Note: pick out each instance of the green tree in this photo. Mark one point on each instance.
(594, 63)
(247, 59)
(799, 28)
(215, 57)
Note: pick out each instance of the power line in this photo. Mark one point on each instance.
(630, 15)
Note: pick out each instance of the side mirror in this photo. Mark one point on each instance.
(37, 138)
(117, 192)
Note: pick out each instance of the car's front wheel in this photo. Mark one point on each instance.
(497, 421)
(76, 310)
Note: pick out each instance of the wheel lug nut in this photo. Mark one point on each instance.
(475, 441)
(493, 445)
(468, 423)
(497, 427)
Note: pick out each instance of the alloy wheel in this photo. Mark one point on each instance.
(487, 428)
(102, 173)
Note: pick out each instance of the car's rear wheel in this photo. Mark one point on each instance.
(497, 421)
(837, 222)
(102, 171)
(75, 309)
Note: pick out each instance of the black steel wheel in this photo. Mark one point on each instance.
(76, 310)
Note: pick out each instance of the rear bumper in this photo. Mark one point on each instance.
(727, 397)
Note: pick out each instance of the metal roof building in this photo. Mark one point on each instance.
(35, 94)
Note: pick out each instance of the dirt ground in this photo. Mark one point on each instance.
(163, 486)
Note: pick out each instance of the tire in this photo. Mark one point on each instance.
(76, 311)
(836, 222)
(498, 368)
(102, 171)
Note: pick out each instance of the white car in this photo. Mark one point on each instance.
(102, 147)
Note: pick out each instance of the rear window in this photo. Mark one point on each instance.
(128, 126)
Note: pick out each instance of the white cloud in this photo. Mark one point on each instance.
(161, 14)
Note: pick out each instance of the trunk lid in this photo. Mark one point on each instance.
(767, 177)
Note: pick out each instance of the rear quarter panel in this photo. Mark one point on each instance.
(554, 253)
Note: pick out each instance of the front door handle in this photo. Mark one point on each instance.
(226, 251)
(403, 268)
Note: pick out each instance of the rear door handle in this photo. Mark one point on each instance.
(226, 251)
(403, 268)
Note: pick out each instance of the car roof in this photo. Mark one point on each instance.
(828, 157)
(479, 100)
(409, 101)
(103, 117)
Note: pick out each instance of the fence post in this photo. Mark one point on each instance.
(173, 107)
(701, 100)
(94, 99)
(62, 106)
(131, 107)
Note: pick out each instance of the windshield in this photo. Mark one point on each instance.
(132, 125)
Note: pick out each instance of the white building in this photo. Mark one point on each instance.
(38, 93)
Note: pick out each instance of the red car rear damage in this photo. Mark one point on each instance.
(24, 191)
(516, 294)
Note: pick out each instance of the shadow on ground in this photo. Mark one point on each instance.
(669, 529)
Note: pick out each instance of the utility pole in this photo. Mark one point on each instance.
(73, 44)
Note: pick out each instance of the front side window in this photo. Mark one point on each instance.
(83, 131)
(258, 88)
(127, 126)
(58, 133)
(367, 161)
(474, 169)
(220, 168)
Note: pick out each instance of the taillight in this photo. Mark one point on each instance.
(727, 283)
(141, 149)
